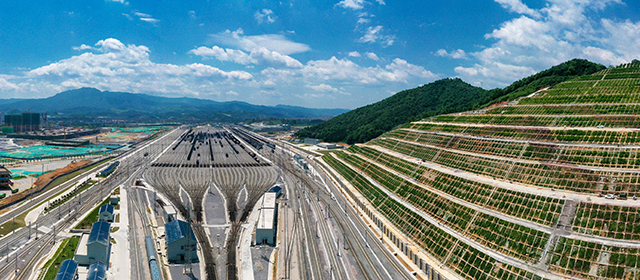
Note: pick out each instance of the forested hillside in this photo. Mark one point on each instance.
(440, 97)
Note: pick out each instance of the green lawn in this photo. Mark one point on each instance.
(91, 218)
(66, 251)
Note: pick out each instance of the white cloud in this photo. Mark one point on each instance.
(372, 35)
(265, 15)
(351, 4)
(192, 14)
(256, 56)
(322, 88)
(381, 2)
(539, 38)
(518, 7)
(145, 17)
(127, 16)
(372, 56)
(6, 85)
(150, 20)
(273, 42)
(142, 14)
(363, 20)
(344, 70)
(221, 54)
(83, 47)
(118, 1)
(456, 54)
(118, 67)
(354, 54)
(231, 92)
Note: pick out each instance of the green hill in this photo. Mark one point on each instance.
(440, 97)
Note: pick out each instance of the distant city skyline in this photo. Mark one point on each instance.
(321, 54)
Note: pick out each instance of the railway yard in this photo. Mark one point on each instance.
(214, 177)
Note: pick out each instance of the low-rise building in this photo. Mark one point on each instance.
(311, 141)
(114, 199)
(181, 242)
(170, 214)
(97, 271)
(266, 229)
(96, 246)
(106, 213)
(68, 270)
(5, 177)
(329, 146)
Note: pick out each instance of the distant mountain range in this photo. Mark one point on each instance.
(440, 97)
(91, 103)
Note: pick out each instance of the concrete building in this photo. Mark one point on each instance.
(329, 146)
(106, 213)
(181, 242)
(266, 227)
(311, 141)
(5, 178)
(170, 214)
(23, 122)
(96, 246)
(68, 270)
(114, 199)
(97, 271)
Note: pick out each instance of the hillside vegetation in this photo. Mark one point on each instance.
(440, 97)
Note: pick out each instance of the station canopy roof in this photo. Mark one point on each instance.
(99, 233)
(177, 229)
(106, 207)
(67, 270)
(97, 271)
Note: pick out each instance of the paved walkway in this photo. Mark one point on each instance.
(120, 265)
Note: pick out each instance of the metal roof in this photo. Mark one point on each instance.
(177, 229)
(106, 207)
(266, 218)
(67, 271)
(269, 200)
(99, 233)
(97, 271)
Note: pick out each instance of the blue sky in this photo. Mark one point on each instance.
(326, 54)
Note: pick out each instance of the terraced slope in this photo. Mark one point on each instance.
(515, 191)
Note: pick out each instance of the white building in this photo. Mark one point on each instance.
(96, 246)
(266, 227)
(170, 214)
(181, 242)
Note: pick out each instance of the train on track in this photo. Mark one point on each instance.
(153, 262)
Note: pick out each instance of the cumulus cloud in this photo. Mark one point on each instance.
(456, 54)
(372, 56)
(373, 34)
(265, 15)
(322, 88)
(273, 42)
(539, 38)
(518, 7)
(351, 4)
(256, 56)
(344, 70)
(83, 47)
(115, 66)
(354, 54)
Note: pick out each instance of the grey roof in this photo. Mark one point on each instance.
(97, 271)
(99, 233)
(177, 230)
(67, 271)
(106, 207)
